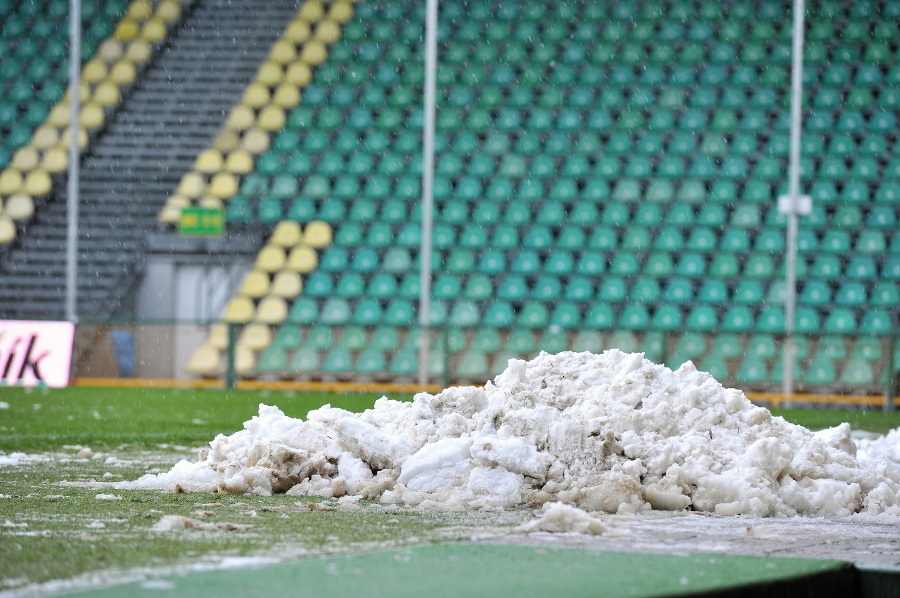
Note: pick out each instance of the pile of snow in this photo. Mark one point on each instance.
(612, 432)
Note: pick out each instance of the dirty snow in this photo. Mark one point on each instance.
(612, 432)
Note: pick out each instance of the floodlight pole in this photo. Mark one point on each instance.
(431, 23)
(792, 206)
(72, 200)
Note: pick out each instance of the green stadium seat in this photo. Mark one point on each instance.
(533, 314)
(464, 314)
(613, 289)
(653, 345)
(885, 294)
(499, 314)
(634, 317)
(521, 342)
(752, 371)
(748, 292)
(513, 288)
(866, 349)
(737, 319)
(724, 265)
(876, 322)
(857, 372)
(821, 372)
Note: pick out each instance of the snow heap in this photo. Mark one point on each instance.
(612, 432)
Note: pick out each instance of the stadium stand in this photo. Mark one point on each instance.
(151, 77)
(588, 185)
(606, 177)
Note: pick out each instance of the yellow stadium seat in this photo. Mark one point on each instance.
(239, 162)
(244, 361)
(240, 118)
(314, 53)
(192, 185)
(38, 183)
(271, 258)
(55, 160)
(60, 115)
(208, 161)
(298, 74)
(45, 136)
(91, 117)
(272, 310)
(7, 230)
(169, 215)
(94, 71)
(139, 10)
(286, 284)
(218, 336)
(168, 11)
(208, 201)
(255, 284)
(19, 206)
(317, 234)
(255, 336)
(286, 96)
(123, 72)
(223, 185)
(206, 361)
(256, 95)
(66, 138)
(328, 32)
(110, 51)
(171, 212)
(283, 52)
(11, 181)
(298, 31)
(226, 141)
(311, 12)
(126, 30)
(240, 310)
(139, 51)
(287, 233)
(154, 30)
(341, 12)
(271, 118)
(303, 259)
(25, 158)
(270, 74)
(255, 141)
(107, 94)
(84, 93)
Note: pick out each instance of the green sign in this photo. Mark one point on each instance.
(202, 222)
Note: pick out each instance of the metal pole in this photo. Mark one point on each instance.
(431, 22)
(790, 299)
(72, 202)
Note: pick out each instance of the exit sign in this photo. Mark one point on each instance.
(202, 222)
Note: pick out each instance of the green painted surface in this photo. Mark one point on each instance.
(455, 570)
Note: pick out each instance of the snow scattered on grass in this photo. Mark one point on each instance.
(559, 518)
(108, 497)
(177, 522)
(612, 432)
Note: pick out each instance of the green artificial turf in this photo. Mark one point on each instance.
(45, 419)
(50, 530)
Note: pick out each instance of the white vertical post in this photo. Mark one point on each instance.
(790, 299)
(72, 204)
(431, 23)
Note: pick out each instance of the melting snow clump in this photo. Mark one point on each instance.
(612, 432)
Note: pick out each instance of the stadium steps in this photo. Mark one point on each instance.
(172, 112)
